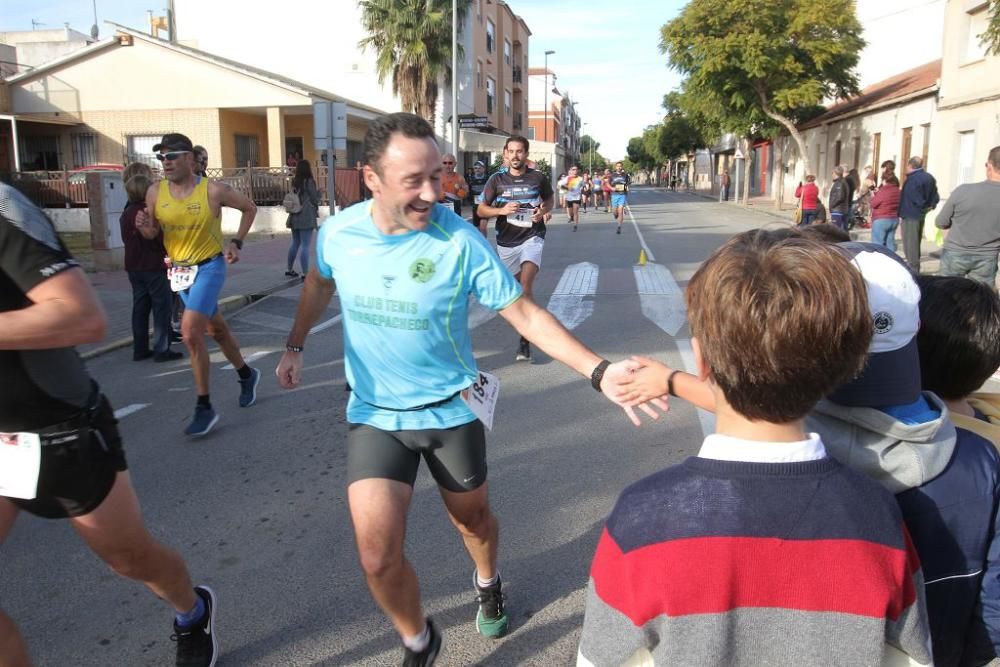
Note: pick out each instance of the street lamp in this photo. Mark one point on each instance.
(547, 54)
(590, 166)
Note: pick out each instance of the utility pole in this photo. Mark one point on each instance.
(546, 121)
(454, 81)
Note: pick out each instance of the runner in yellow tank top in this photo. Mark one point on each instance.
(188, 208)
(192, 232)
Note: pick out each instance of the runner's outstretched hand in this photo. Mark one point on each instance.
(618, 382)
(289, 370)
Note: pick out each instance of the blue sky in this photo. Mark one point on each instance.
(606, 55)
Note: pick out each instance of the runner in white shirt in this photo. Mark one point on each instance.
(573, 185)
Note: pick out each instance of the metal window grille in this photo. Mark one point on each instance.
(247, 150)
(84, 149)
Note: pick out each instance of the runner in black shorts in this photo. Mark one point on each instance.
(49, 405)
(408, 358)
(476, 184)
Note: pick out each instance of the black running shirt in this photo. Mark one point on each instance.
(38, 388)
(529, 190)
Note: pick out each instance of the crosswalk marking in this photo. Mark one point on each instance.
(571, 302)
(253, 357)
(660, 297)
(129, 409)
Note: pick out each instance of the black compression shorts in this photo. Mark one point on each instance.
(77, 475)
(455, 456)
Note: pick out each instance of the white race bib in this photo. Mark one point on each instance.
(481, 397)
(522, 218)
(181, 277)
(20, 460)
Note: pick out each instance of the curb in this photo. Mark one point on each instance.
(227, 305)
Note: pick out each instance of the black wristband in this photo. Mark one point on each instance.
(294, 348)
(670, 381)
(598, 374)
(239, 243)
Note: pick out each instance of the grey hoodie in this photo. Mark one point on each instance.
(897, 455)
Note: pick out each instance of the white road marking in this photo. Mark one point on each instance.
(662, 302)
(324, 325)
(267, 320)
(253, 357)
(660, 296)
(129, 409)
(571, 302)
(638, 232)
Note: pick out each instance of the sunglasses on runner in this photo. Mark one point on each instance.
(172, 155)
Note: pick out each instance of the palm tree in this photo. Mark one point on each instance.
(412, 42)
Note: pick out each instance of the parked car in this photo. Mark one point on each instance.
(79, 175)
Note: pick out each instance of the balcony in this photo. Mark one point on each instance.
(518, 121)
(517, 74)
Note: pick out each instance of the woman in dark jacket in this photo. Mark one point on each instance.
(885, 213)
(302, 223)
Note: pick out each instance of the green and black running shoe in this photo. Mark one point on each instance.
(491, 619)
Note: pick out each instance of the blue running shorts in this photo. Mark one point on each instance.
(618, 199)
(203, 296)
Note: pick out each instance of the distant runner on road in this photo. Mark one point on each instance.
(519, 198)
(61, 456)
(620, 181)
(573, 185)
(476, 185)
(404, 267)
(189, 210)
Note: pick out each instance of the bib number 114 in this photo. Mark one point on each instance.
(481, 397)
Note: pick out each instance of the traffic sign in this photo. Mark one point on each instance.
(739, 154)
(473, 122)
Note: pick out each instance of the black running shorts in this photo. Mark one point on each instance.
(455, 456)
(76, 476)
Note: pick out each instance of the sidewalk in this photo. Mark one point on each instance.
(260, 271)
(929, 252)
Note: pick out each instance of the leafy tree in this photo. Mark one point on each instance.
(412, 43)
(751, 60)
(991, 38)
(590, 158)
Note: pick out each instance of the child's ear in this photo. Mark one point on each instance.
(700, 365)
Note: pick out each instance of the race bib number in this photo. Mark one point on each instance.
(619, 187)
(181, 277)
(20, 460)
(522, 218)
(481, 397)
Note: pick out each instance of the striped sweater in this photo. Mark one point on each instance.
(716, 562)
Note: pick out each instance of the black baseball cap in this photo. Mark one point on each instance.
(174, 141)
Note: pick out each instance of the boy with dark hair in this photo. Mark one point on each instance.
(762, 549)
(959, 343)
(946, 480)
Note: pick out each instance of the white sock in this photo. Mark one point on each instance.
(486, 583)
(418, 643)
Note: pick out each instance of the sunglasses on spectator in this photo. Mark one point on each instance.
(446, 162)
(172, 155)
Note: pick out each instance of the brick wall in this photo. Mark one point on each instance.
(232, 123)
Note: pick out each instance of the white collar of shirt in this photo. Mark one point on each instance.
(728, 448)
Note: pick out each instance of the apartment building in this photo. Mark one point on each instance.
(552, 115)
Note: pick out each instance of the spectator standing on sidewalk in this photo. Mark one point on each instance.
(147, 274)
(302, 222)
(809, 194)
(918, 196)
(201, 161)
(885, 213)
(972, 214)
(840, 198)
(724, 181)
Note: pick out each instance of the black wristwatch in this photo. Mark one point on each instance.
(239, 243)
(598, 374)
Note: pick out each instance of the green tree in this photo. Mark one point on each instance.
(745, 59)
(412, 43)
(991, 38)
(590, 158)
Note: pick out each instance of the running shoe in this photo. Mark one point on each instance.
(574, 228)
(248, 389)
(291, 274)
(204, 419)
(491, 619)
(426, 657)
(523, 350)
(619, 230)
(197, 645)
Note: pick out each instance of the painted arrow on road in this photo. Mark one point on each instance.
(660, 296)
(572, 301)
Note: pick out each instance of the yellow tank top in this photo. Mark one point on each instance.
(191, 233)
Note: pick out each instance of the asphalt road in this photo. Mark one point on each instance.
(258, 508)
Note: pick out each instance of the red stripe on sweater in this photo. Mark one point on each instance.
(711, 575)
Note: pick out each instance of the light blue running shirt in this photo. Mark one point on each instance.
(406, 322)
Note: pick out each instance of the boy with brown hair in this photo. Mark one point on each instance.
(761, 549)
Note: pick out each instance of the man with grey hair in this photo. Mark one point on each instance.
(840, 198)
(918, 197)
(972, 213)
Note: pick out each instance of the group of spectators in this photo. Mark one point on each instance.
(971, 214)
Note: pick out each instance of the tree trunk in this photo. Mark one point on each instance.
(778, 168)
(788, 125)
(747, 169)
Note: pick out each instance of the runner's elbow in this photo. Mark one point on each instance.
(92, 326)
